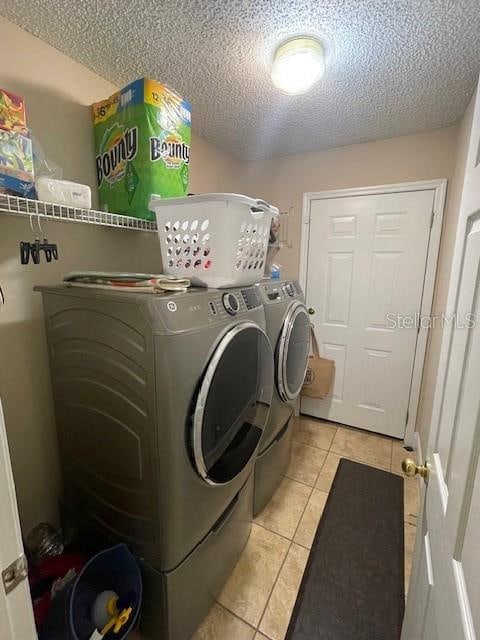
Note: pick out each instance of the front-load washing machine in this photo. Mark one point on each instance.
(288, 327)
(161, 401)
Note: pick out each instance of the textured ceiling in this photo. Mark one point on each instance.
(393, 66)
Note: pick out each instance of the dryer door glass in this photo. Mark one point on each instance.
(233, 403)
(293, 350)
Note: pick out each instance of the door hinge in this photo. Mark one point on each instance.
(406, 418)
(431, 219)
(14, 573)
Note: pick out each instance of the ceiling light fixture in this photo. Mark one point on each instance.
(298, 64)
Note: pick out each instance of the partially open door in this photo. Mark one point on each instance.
(444, 598)
(16, 614)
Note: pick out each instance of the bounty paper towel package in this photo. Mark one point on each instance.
(142, 147)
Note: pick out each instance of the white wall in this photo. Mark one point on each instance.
(58, 92)
(284, 180)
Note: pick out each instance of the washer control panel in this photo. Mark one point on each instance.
(251, 298)
(199, 307)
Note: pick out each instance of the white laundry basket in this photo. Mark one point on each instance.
(216, 239)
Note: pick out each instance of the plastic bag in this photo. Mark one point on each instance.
(44, 166)
(44, 541)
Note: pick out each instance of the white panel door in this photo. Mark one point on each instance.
(366, 268)
(16, 615)
(444, 598)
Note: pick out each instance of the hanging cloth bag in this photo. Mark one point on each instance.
(320, 372)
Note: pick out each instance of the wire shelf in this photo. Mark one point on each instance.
(14, 206)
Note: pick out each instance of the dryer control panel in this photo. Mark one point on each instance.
(279, 291)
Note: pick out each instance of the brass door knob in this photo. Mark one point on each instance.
(410, 468)
(311, 310)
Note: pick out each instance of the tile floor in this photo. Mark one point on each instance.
(258, 599)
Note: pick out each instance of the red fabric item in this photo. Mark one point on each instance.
(48, 570)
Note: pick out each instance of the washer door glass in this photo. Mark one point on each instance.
(293, 351)
(233, 403)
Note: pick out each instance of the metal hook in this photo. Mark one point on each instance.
(31, 225)
(36, 234)
(40, 225)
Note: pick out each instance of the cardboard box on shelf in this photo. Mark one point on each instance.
(16, 164)
(12, 112)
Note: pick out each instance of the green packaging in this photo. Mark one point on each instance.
(142, 147)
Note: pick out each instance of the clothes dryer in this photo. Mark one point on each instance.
(288, 327)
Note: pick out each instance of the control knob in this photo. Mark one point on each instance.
(231, 304)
